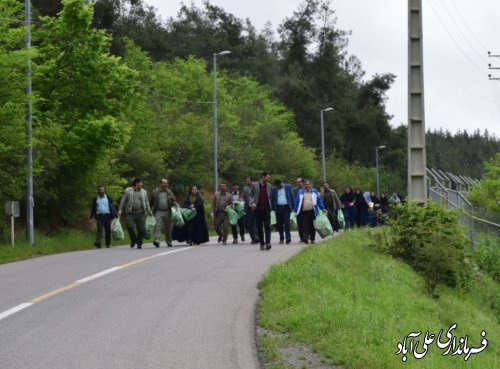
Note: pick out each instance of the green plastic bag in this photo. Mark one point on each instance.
(177, 220)
(150, 226)
(322, 225)
(188, 214)
(232, 215)
(116, 230)
(293, 219)
(238, 208)
(273, 217)
(340, 218)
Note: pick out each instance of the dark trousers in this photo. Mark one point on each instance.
(103, 221)
(332, 217)
(307, 224)
(241, 226)
(250, 225)
(263, 224)
(136, 220)
(283, 221)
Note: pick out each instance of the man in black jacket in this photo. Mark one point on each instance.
(103, 211)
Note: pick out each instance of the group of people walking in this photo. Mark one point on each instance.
(258, 199)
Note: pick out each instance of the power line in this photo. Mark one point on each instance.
(454, 40)
(467, 26)
(179, 100)
(14, 20)
(461, 32)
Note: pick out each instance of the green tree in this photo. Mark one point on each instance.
(83, 95)
(13, 64)
(487, 193)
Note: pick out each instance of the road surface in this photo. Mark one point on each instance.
(169, 308)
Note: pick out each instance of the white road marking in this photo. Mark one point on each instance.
(97, 275)
(92, 277)
(15, 309)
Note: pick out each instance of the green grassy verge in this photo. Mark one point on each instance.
(354, 305)
(63, 241)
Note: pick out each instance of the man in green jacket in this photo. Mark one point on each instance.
(332, 204)
(162, 199)
(136, 206)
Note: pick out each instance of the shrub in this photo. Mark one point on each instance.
(431, 240)
(487, 255)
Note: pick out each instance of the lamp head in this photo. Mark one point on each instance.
(225, 52)
(327, 109)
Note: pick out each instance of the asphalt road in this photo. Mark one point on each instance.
(179, 308)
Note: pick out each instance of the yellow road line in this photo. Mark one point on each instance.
(55, 292)
(82, 281)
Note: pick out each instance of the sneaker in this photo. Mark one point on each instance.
(242, 238)
(288, 241)
(262, 247)
(219, 239)
(97, 245)
(281, 242)
(156, 243)
(235, 241)
(139, 246)
(268, 246)
(132, 244)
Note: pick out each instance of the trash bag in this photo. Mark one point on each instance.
(177, 220)
(232, 215)
(293, 219)
(340, 218)
(116, 230)
(273, 217)
(149, 226)
(322, 225)
(188, 214)
(238, 208)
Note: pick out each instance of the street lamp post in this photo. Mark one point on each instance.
(376, 164)
(30, 229)
(216, 168)
(323, 143)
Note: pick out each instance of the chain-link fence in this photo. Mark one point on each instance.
(477, 230)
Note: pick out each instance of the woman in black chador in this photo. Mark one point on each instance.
(195, 231)
(361, 207)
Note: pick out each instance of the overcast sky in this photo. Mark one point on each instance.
(457, 36)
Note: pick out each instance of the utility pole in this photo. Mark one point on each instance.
(30, 232)
(216, 147)
(417, 162)
(490, 67)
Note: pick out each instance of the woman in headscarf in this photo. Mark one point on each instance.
(349, 209)
(361, 207)
(195, 231)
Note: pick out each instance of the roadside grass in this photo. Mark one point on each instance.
(60, 242)
(354, 305)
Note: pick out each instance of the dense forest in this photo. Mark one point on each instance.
(119, 92)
